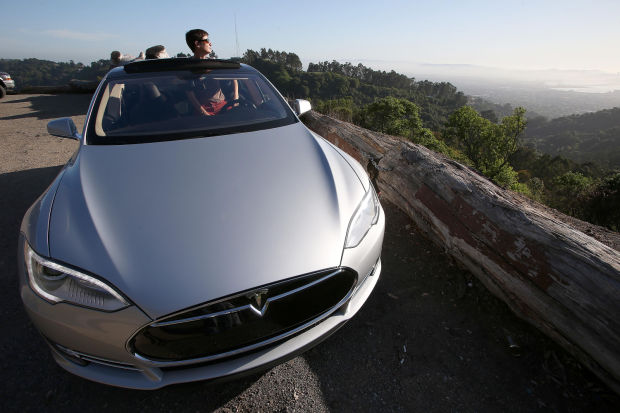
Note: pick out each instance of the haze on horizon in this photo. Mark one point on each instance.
(572, 43)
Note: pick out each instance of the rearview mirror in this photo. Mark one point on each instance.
(302, 106)
(64, 128)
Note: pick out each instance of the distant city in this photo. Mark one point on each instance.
(550, 93)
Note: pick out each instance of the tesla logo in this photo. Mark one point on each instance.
(258, 302)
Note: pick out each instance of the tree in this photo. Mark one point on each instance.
(392, 116)
(293, 62)
(281, 78)
(571, 191)
(603, 207)
(337, 108)
(467, 131)
(487, 144)
(513, 126)
(490, 115)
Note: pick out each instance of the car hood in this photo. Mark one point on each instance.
(179, 223)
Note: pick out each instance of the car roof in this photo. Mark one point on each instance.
(183, 64)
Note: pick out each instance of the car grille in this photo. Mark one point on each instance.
(245, 321)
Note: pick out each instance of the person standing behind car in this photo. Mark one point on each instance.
(156, 101)
(156, 52)
(207, 99)
(119, 59)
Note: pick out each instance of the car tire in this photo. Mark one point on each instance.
(2, 92)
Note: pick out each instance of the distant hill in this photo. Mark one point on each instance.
(342, 89)
(582, 138)
(543, 100)
(551, 93)
(495, 111)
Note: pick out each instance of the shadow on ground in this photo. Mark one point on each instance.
(432, 338)
(52, 106)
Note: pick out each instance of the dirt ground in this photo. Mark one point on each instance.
(430, 338)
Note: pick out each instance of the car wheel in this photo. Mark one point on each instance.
(2, 92)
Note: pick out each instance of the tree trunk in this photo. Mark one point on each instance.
(559, 279)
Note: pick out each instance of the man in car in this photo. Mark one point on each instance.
(199, 43)
(207, 97)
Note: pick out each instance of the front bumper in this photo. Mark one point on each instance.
(93, 344)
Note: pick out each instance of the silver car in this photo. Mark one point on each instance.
(6, 83)
(178, 245)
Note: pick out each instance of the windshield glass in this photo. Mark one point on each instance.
(170, 106)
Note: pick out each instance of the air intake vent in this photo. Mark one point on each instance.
(246, 321)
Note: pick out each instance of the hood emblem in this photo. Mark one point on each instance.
(258, 302)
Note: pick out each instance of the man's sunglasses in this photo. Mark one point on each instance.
(205, 40)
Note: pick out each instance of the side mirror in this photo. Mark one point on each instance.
(301, 106)
(64, 128)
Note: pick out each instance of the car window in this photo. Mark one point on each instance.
(149, 108)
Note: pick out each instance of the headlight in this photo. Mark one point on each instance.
(57, 283)
(365, 216)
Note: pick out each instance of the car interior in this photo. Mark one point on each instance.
(163, 104)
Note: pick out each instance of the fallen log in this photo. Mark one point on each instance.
(564, 282)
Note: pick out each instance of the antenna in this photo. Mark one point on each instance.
(236, 37)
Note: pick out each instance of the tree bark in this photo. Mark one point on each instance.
(559, 279)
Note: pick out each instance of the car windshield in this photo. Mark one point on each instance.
(156, 107)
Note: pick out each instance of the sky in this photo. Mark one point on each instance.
(390, 34)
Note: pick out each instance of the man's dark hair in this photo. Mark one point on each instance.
(193, 36)
(153, 51)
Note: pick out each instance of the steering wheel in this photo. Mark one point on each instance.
(232, 104)
(241, 102)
